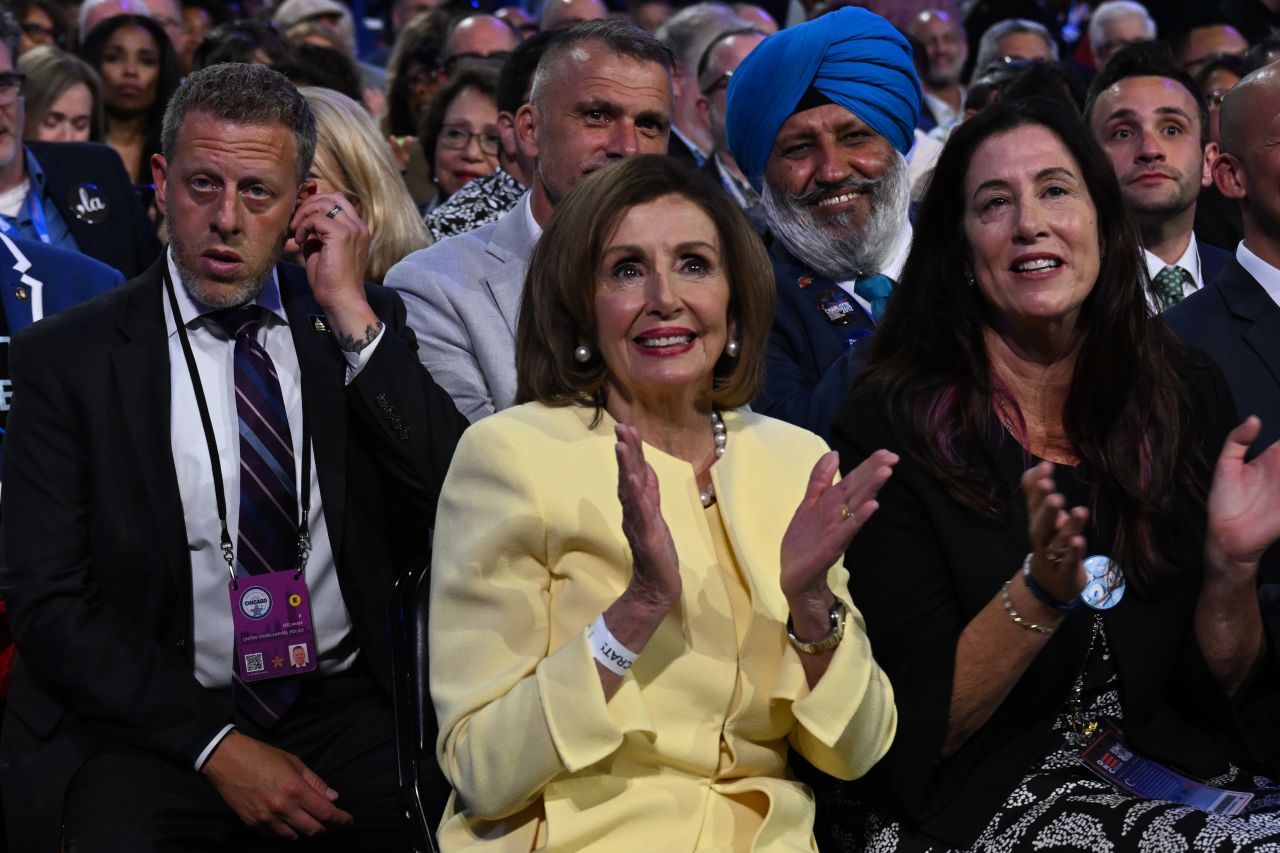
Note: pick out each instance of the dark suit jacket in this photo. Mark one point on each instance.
(125, 238)
(1238, 325)
(923, 566)
(677, 148)
(810, 362)
(96, 570)
(1212, 261)
(63, 279)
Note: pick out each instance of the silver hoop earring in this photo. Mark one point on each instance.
(732, 348)
(582, 353)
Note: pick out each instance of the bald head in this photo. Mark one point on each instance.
(1248, 111)
(558, 14)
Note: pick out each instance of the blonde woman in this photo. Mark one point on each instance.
(353, 158)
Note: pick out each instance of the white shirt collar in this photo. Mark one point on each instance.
(898, 257)
(1262, 272)
(1190, 261)
(191, 310)
(526, 204)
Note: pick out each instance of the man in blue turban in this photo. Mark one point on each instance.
(820, 118)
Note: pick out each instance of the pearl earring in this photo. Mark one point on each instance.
(582, 354)
(732, 348)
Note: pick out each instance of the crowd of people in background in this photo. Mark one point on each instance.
(831, 424)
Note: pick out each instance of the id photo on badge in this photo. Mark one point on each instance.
(299, 656)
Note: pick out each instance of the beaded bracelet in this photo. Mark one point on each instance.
(1041, 595)
(1016, 617)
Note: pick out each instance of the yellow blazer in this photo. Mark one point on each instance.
(529, 551)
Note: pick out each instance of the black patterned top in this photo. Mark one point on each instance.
(479, 202)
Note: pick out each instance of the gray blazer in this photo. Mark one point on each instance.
(463, 296)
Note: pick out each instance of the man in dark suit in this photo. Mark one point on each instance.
(1149, 117)
(823, 141)
(75, 196)
(179, 406)
(1236, 319)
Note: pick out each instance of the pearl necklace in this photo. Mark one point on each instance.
(721, 438)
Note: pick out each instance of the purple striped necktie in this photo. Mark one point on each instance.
(267, 537)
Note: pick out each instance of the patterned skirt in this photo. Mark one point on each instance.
(1061, 805)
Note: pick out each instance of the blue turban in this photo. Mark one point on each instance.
(851, 56)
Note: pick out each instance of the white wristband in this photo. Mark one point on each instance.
(605, 647)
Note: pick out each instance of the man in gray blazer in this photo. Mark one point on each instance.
(602, 91)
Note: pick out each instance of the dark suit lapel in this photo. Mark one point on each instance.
(323, 403)
(140, 367)
(1248, 300)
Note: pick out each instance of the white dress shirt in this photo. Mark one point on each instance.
(1262, 272)
(892, 266)
(214, 356)
(1190, 261)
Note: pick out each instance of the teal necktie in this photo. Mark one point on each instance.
(875, 289)
(1170, 283)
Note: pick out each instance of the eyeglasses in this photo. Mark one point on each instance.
(1216, 97)
(459, 138)
(11, 84)
(721, 82)
(459, 61)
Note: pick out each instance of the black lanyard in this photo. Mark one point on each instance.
(228, 554)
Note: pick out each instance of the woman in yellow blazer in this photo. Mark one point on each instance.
(629, 625)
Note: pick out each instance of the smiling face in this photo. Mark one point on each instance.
(471, 112)
(12, 120)
(662, 301)
(945, 46)
(1150, 129)
(130, 69)
(70, 117)
(228, 195)
(1032, 229)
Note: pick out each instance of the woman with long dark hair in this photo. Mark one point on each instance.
(1058, 574)
(139, 72)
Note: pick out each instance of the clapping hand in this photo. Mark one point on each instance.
(1244, 502)
(656, 568)
(825, 522)
(1057, 536)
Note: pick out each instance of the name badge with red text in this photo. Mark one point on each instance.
(1109, 757)
(274, 634)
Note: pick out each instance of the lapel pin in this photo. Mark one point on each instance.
(20, 293)
(804, 281)
(319, 323)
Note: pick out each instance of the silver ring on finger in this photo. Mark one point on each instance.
(334, 211)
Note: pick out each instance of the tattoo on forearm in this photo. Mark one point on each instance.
(350, 343)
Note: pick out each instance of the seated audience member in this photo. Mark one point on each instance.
(75, 196)
(139, 72)
(1204, 37)
(757, 17)
(335, 19)
(63, 96)
(162, 737)
(352, 159)
(1023, 614)
(315, 65)
(1146, 113)
(462, 294)
(941, 33)
(600, 657)
(1215, 79)
(687, 33)
(241, 41)
(1116, 24)
(476, 41)
(824, 142)
(200, 17)
(460, 133)
(400, 13)
(1237, 320)
(1260, 53)
(489, 197)
(563, 14)
(720, 59)
(43, 22)
(1015, 38)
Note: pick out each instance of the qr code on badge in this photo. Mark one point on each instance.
(253, 662)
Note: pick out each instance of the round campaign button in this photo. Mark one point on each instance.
(255, 602)
(1106, 583)
(87, 203)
